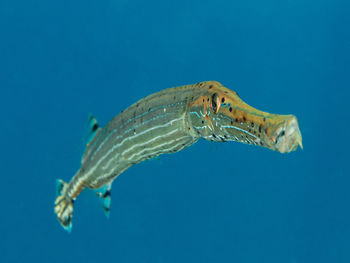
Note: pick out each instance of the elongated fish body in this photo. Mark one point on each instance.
(167, 122)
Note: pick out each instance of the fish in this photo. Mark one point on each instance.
(167, 122)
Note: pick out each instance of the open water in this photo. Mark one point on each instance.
(213, 202)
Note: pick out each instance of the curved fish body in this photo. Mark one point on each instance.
(167, 122)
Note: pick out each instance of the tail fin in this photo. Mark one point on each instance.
(64, 206)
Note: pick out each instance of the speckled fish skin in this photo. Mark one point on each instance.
(167, 122)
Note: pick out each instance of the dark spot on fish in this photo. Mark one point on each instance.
(213, 102)
(230, 109)
(231, 122)
(261, 143)
(244, 119)
(254, 132)
(137, 105)
(211, 86)
(264, 119)
(250, 130)
(236, 120)
(149, 109)
(189, 128)
(225, 91)
(203, 100)
(94, 127)
(260, 128)
(202, 121)
(281, 134)
(107, 193)
(253, 124)
(214, 136)
(223, 100)
(207, 99)
(225, 136)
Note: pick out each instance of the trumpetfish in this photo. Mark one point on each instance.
(167, 122)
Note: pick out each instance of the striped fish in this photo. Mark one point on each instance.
(167, 122)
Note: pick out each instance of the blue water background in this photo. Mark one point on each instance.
(62, 60)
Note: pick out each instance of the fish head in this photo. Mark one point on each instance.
(219, 114)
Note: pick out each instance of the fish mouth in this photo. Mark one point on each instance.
(287, 136)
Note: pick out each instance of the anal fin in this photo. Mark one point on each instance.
(104, 193)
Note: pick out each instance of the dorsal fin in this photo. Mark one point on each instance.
(94, 131)
(94, 128)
